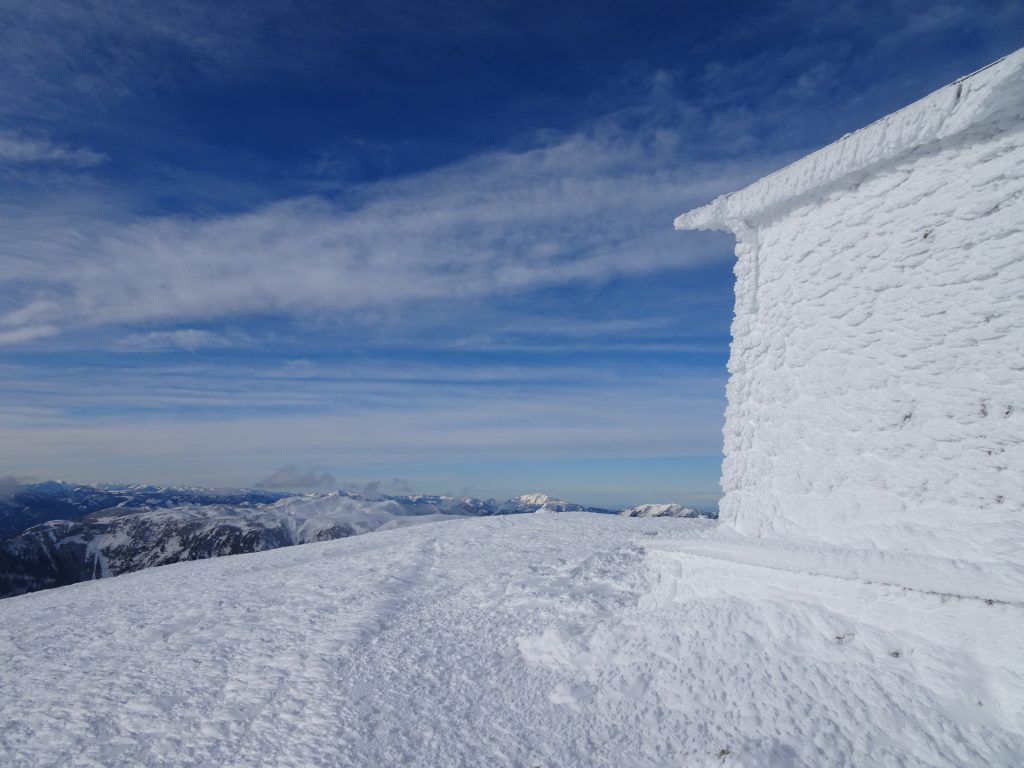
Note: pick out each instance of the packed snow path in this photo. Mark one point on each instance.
(536, 640)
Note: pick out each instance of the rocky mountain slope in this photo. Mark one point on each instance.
(110, 531)
(662, 510)
(22, 506)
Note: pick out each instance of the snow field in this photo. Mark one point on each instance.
(534, 640)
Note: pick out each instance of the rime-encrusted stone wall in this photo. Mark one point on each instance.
(876, 395)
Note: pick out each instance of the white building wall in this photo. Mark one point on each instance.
(876, 396)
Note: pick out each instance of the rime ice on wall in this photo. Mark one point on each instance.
(876, 396)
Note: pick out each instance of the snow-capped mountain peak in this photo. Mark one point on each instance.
(535, 499)
(662, 510)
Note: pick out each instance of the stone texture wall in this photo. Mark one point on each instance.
(877, 387)
(876, 396)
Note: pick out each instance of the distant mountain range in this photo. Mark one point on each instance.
(663, 510)
(54, 534)
(52, 500)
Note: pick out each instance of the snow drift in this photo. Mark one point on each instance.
(528, 640)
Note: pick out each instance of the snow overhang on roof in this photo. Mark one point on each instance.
(994, 94)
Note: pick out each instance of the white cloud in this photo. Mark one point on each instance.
(375, 423)
(9, 486)
(590, 207)
(27, 333)
(19, 150)
(36, 395)
(189, 339)
(192, 418)
(296, 477)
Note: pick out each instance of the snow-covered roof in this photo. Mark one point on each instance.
(992, 94)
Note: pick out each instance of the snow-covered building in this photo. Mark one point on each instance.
(876, 391)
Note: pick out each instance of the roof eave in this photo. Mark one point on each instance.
(994, 93)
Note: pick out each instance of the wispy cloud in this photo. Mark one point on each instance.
(588, 207)
(20, 150)
(295, 477)
(847, 67)
(9, 486)
(583, 206)
(238, 416)
(35, 394)
(189, 339)
(25, 333)
(61, 55)
(648, 419)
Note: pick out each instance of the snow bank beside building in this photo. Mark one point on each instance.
(876, 396)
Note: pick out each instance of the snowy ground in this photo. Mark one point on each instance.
(536, 640)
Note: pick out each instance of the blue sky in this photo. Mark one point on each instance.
(426, 246)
